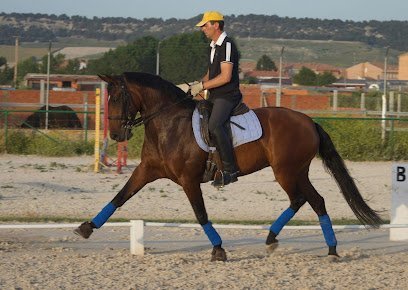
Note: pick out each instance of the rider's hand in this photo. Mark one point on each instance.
(184, 87)
(196, 88)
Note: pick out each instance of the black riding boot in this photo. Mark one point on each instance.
(230, 171)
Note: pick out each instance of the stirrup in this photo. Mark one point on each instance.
(224, 178)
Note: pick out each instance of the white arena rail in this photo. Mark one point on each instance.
(137, 229)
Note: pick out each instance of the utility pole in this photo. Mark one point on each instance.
(47, 95)
(16, 62)
(279, 93)
(384, 98)
(158, 59)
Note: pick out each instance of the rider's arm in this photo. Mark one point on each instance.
(220, 80)
(206, 77)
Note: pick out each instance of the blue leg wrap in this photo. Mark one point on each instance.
(104, 215)
(327, 229)
(282, 220)
(212, 234)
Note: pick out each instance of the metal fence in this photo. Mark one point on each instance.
(56, 128)
(371, 103)
(357, 138)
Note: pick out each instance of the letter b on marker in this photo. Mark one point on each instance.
(401, 173)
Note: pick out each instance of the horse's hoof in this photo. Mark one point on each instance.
(272, 247)
(218, 254)
(271, 239)
(84, 230)
(333, 258)
(333, 251)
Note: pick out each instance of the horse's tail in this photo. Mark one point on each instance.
(334, 164)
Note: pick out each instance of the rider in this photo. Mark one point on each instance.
(222, 82)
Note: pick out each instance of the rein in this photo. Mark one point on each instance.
(143, 120)
(131, 121)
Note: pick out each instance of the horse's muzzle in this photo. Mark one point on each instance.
(123, 136)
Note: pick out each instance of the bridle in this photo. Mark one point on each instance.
(128, 119)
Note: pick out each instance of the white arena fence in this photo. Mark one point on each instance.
(137, 229)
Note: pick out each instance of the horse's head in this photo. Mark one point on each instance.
(119, 111)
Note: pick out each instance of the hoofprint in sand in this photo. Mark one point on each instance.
(32, 186)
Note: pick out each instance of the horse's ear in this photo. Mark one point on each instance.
(106, 78)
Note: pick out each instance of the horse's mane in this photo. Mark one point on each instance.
(165, 87)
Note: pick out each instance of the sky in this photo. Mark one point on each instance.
(356, 10)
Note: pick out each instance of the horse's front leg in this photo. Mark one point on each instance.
(195, 197)
(139, 178)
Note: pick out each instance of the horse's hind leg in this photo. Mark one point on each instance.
(316, 201)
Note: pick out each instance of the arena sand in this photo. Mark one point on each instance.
(32, 186)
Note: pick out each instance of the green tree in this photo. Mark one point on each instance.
(56, 63)
(249, 80)
(29, 65)
(137, 56)
(6, 75)
(265, 63)
(325, 78)
(305, 77)
(72, 67)
(183, 57)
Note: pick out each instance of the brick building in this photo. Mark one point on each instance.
(370, 71)
(403, 67)
(364, 70)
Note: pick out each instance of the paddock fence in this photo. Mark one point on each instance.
(137, 229)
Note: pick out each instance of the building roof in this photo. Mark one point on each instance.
(247, 65)
(265, 74)
(321, 67)
(378, 65)
(381, 66)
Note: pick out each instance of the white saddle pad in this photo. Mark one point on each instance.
(252, 132)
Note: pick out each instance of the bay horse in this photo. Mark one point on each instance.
(289, 142)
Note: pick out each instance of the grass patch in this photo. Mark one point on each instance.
(31, 142)
(360, 140)
(355, 140)
(339, 53)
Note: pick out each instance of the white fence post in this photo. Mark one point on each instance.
(362, 102)
(335, 100)
(137, 237)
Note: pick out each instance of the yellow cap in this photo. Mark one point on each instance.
(210, 16)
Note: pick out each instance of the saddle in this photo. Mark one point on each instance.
(213, 163)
